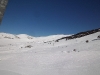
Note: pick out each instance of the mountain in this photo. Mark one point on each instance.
(26, 37)
(80, 34)
(47, 56)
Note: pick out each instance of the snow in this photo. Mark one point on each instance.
(50, 58)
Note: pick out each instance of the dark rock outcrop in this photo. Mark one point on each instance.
(79, 35)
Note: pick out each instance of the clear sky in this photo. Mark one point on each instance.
(50, 17)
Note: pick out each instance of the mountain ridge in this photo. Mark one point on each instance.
(49, 38)
(80, 34)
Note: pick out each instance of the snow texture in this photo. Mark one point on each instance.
(26, 55)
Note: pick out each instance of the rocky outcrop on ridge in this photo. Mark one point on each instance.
(80, 34)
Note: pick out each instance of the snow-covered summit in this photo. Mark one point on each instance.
(7, 35)
(26, 37)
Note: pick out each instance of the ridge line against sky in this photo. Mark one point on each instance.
(50, 17)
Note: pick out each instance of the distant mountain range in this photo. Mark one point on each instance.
(50, 38)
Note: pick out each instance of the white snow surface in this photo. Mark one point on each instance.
(71, 57)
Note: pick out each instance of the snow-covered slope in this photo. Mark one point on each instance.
(36, 56)
(25, 37)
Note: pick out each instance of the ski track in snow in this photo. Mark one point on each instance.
(71, 57)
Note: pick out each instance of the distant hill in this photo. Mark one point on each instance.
(80, 34)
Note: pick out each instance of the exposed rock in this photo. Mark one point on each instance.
(98, 37)
(78, 35)
(87, 41)
(28, 46)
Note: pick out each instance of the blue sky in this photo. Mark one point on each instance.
(50, 17)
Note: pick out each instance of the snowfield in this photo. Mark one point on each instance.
(26, 55)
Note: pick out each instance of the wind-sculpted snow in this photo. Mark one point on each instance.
(42, 56)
